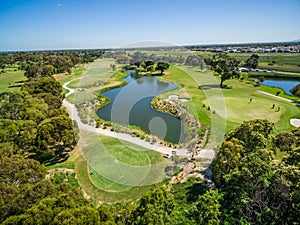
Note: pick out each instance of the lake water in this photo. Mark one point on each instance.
(131, 105)
(286, 85)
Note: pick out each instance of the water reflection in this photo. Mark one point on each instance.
(131, 105)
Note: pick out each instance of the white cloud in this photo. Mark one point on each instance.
(59, 5)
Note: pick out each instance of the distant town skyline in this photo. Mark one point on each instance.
(74, 24)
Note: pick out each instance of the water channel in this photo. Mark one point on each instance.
(284, 84)
(131, 105)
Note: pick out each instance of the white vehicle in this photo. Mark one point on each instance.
(167, 156)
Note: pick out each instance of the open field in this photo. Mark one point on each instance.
(11, 80)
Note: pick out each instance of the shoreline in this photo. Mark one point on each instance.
(73, 113)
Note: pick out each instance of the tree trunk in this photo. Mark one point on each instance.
(221, 84)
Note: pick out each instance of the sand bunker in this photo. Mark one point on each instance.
(295, 122)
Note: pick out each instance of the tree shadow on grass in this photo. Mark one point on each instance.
(209, 86)
(16, 84)
(213, 86)
(194, 191)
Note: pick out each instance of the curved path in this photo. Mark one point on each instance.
(72, 110)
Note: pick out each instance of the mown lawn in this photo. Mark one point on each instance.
(107, 192)
(11, 80)
(117, 168)
(229, 107)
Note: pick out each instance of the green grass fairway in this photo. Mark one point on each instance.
(11, 80)
(130, 153)
(97, 75)
(115, 166)
(232, 106)
(65, 77)
(102, 195)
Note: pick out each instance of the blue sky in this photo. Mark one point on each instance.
(60, 24)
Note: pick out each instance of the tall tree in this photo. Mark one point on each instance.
(162, 66)
(252, 61)
(224, 65)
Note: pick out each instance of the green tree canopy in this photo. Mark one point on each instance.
(155, 207)
(207, 209)
(252, 61)
(162, 66)
(225, 65)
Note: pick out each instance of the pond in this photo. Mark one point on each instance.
(131, 105)
(284, 84)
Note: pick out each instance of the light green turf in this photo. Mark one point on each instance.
(116, 168)
(96, 75)
(102, 195)
(11, 80)
(65, 77)
(130, 153)
(232, 106)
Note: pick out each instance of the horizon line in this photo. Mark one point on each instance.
(155, 46)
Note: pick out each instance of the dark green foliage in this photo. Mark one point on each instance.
(45, 64)
(256, 190)
(252, 134)
(285, 141)
(33, 123)
(296, 90)
(207, 209)
(225, 65)
(55, 137)
(17, 177)
(156, 207)
(162, 66)
(62, 209)
(46, 88)
(252, 61)
(106, 215)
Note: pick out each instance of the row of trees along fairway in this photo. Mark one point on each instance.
(47, 63)
(227, 66)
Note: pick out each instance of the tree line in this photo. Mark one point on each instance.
(47, 63)
(227, 66)
(124, 57)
